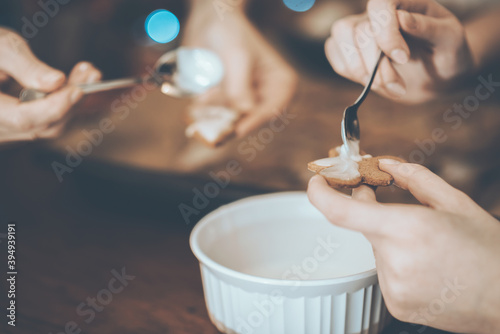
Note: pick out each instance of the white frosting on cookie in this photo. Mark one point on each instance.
(345, 165)
(197, 70)
(212, 123)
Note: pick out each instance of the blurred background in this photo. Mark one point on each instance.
(120, 205)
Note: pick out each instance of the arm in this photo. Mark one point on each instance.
(258, 82)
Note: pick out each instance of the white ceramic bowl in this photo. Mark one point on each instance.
(273, 264)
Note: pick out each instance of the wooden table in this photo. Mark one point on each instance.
(72, 235)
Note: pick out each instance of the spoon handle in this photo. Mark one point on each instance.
(30, 94)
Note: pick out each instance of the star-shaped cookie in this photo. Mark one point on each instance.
(368, 171)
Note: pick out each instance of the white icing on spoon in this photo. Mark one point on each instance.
(197, 70)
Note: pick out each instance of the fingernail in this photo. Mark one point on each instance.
(93, 78)
(396, 88)
(389, 162)
(53, 78)
(84, 67)
(399, 56)
(76, 95)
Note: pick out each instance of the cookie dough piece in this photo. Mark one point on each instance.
(213, 125)
(341, 170)
(372, 175)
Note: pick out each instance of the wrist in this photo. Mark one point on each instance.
(217, 7)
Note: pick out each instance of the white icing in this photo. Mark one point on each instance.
(325, 162)
(345, 165)
(211, 122)
(197, 70)
(345, 170)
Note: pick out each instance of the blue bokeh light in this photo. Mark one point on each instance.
(299, 5)
(162, 26)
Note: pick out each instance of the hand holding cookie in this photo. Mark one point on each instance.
(446, 249)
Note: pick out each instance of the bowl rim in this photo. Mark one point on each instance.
(207, 261)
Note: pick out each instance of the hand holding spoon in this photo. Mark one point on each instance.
(184, 72)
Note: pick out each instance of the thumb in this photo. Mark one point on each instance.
(421, 26)
(52, 108)
(238, 81)
(23, 65)
(386, 30)
(365, 216)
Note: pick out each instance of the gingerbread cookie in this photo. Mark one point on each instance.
(350, 170)
(372, 175)
(213, 125)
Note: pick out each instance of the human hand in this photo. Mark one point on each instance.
(425, 44)
(257, 82)
(44, 118)
(438, 264)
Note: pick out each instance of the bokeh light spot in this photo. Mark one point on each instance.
(162, 26)
(299, 5)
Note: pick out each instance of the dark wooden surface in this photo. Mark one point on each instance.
(71, 235)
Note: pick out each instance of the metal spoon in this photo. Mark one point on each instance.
(350, 124)
(163, 76)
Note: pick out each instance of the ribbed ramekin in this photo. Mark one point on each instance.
(341, 295)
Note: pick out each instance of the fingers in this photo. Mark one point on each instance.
(369, 52)
(424, 7)
(17, 60)
(54, 131)
(344, 51)
(214, 96)
(31, 120)
(385, 25)
(256, 118)
(364, 193)
(238, 81)
(426, 186)
(387, 82)
(84, 73)
(353, 52)
(425, 27)
(37, 116)
(420, 18)
(275, 85)
(336, 57)
(360, 213)
(54, 107)
(392, 83)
